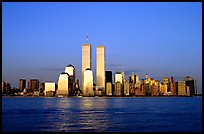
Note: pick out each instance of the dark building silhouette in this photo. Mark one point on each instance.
(191, 83)
(109, 76)
(21, 84)
(33, 84)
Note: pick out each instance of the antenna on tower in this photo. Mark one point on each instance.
(87, 38)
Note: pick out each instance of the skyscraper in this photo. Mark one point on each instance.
(21, 84)
(33, 84)
(86, 61)
(88, 83)
(63, 85)
(71, 71)
(100, 67)
(108, 76)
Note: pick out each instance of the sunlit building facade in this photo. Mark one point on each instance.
(50, 89)
(109, 89)
(71, 71)
(88, 83)
(63, 86)
(100, 66)
(126, 88)
(86, 60)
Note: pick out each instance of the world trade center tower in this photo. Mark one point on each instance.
(86, 61)
(100, 67)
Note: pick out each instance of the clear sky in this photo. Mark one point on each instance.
(161, 39)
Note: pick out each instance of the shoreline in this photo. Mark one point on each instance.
(99, 96)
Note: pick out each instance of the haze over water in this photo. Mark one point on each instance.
(138, 114)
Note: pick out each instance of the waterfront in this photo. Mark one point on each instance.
(123, 114)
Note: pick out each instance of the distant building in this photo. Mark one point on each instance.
(192, 85)
(126, 88)
(173, 86)
(63, 85)
(88, 83)
(33, 84)
(181, 87)
(167, 82)
(164, 89)
(50, 87)
(86, 61)
(4, 87)
(119, 77)
(109, 77)
(109, 89)
(42, 88)
(71, 71)
(118, 89)
(21, 84)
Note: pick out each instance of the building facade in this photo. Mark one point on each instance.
(21, 84)
(100, 67)
(63, 86)
(88, 83)
(86, 60)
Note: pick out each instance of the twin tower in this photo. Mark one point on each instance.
(87, 73)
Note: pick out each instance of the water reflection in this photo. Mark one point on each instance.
(93, 116)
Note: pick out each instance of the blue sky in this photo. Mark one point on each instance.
(162, 39)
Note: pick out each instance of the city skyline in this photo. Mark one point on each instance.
(31, 48)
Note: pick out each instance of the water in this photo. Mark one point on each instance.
(137, 114)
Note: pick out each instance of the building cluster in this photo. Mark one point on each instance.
(68, 86)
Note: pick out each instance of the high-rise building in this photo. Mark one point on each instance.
(173, 86)
(50, 89)
(118, 89)
(33, 84)
(126, 88)
(86, 60)
(119, 77)
(88, 83)
(109, 77)
(100, 66)
(21, 84)
(63, 86)
(192, 85)
(71, 71)
(3, 87)
(181, 88)
(109, 89)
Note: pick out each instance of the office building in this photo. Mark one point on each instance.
(63, 86)
(126, 88)
(167, 82)
(21, 84)
(192, 85)
(108, 77)
(164, 89)
(119, 77)
(71, 71)
(109, 89)
(181, 87)
(173, 86)
(86, 60)
(33, 84)
(50, 89)
(100, 67)
(3, 87)
(88, 83)
(118, 89)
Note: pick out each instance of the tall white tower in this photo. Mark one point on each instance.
(100, 67)
(86, 61)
